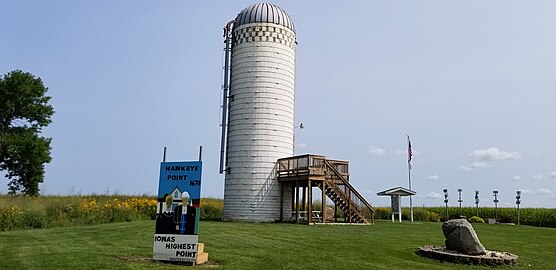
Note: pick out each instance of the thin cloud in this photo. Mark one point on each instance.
(433, 177)
(493, 153)
(465, 168)
(526, 191)
(301, 145)
(553, 174)
(479, 164)
(377, 151)
(474, 165)
(433, 195)
(516, 178)
(479, 158)
(537, 177)
(544, 191)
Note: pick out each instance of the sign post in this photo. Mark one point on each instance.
(495, 194)
(177, 212)
(477, 202)
(395, 207)
(518, 202)
(446, 202)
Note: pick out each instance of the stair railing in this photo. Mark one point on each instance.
(352, 190)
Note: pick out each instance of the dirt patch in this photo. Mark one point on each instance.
(209, 264)
(135, 258)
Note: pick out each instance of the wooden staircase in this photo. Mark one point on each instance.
(348, 200)
(332, 178)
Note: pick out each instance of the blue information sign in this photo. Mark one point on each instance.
(177, 219)
(184, 175)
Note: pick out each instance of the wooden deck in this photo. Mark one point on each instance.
(332, 177)
(310, 167)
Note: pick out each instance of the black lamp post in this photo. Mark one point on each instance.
(495, 194)
(446, 202)
(518, 202)
(477, 202)
(460, 200)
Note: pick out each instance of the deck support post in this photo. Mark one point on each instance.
(400, 208)
(335, 211)
(303, 199)
(282, 187)
(297, 202)
(323, 214)
(293, 198)
(309, 202)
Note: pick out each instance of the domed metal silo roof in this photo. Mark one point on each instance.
(264, 12)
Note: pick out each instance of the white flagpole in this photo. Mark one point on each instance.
(409, 154)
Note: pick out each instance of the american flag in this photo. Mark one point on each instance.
(409, 152)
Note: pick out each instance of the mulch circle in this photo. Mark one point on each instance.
(491, 258)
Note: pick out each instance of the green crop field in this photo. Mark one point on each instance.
(266, 246)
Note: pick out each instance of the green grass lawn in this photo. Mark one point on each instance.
(267, 246)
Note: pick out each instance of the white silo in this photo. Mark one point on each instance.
(260, 126)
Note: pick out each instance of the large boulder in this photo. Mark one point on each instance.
(461, 237)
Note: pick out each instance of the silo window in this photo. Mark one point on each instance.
(229, 170)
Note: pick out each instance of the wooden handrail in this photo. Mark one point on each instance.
(327, 171)
(338, 191)
(351, 188)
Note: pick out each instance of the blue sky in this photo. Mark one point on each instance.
(472, 83)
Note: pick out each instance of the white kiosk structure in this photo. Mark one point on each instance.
(395, 199)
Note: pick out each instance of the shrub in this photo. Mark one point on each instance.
(20, 212)
(34, 219)
(317, 206)
(475, 219)
(11, 218)
(212, 209)
(421, 214)
(211, 212)
(542, 217)
(14, 218)
(382, 213)
(58, 213)
(145, 207)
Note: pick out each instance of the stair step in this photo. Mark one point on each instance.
(339, 197)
